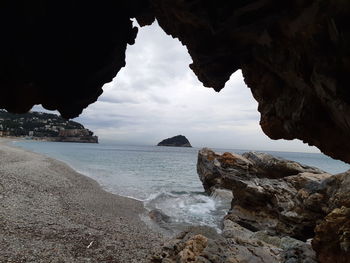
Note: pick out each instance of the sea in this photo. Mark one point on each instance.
(163, 178)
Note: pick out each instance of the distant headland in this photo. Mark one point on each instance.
(176, 141)
(44, 126)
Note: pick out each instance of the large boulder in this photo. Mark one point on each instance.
(283, 198)
(217, 170)
(269, 193)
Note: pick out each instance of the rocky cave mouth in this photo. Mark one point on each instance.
(293, 56)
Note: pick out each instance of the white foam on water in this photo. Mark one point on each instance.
(189, 208)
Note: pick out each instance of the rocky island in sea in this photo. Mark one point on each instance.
(44, 126)
(176, 141)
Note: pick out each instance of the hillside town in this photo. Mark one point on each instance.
(43, 126)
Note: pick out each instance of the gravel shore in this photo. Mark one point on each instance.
(50, 213)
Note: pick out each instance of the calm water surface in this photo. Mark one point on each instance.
(162, 177)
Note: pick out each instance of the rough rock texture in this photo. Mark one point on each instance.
(177, 141)
(286, 200)
(214, 169)
(303, 202)
(294, 56)
(332, 239)
(235, 245)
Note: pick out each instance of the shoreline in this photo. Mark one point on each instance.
(146, 214)
(14, 139)
(50, 212)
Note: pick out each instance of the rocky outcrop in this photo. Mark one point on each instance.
(78, 139)
(176, 141)
(159, 217)
(295, 201)
(270, 193)
(332, 240)
(294, 56)
(71, 135)
(332, 234)
(76, 135)
(236, 244)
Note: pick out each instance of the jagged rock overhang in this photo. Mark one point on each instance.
(294, 56)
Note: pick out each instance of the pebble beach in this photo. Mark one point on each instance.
(51, 213)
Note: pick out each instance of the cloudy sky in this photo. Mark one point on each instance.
(157, 96)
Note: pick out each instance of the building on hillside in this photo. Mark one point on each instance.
(4, 133)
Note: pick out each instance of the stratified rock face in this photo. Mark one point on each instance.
(215, 169)
(294, 56)
(270, 193)
(296, 200)
(177, 141)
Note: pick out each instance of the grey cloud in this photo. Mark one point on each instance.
(118, 100)
(156, 96)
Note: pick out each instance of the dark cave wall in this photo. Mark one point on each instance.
(60, 53)
(294, 55)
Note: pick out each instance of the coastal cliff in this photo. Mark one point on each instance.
(72, 135)
(44, 126)
(176, 141)
(278, 207)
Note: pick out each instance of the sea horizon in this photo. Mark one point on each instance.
(163, 178)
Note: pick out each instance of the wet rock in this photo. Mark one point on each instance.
(158, 216)
(222, 194)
